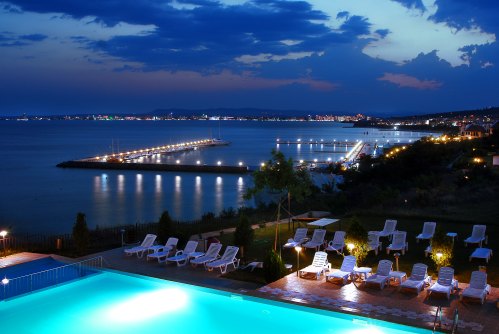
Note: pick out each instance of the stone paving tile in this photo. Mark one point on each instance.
(19, 258)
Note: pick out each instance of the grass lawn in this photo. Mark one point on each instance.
(264, 239)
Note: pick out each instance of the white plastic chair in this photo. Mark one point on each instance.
(162, 252)
(373, 242)
(318, 267)
(298, 239)
(477, 235)
(418, 280)
(428, 231)
(228, 258)
(317, 239)
(382, 275)
(478, 288)
(338, 242)
(181, 257)
(389, 228)
(445, 282)
(210, 255)
(345, 271)
(144, 246)
(399, 242)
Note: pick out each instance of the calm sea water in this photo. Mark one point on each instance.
(38, 197)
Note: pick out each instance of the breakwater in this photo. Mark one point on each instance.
(154, 167)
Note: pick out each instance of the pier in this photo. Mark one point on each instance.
(315, 142)
(127, 160)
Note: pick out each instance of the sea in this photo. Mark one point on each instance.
(38, 197)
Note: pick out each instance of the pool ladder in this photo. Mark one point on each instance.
(438, 317)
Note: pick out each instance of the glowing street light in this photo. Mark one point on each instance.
(198, 162)
(5, 281)
(350, 247)
(298, 250)
(178, 161)
(240, 163)
(3, 234)
(219, 163)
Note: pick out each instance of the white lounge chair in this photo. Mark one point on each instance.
(338, 242)
(418, 280)
(477, 235)
(382, 275)
(345, 271)
(319, 265)
(210, 255)
(299, 238)
(140, 250)
(317, 239)
(373, 242)
(389, 228)
(428, 231)
(482, 253)
(478, 288)
(181, 257)
(228, 258)
(159, 252)
(445, 282)
(399, 242)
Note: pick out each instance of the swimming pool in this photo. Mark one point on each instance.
(117, 303)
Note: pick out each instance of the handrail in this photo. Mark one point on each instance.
(455, 321)
(46, 278)
(438, 316)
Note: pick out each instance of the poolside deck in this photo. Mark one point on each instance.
(387, 304)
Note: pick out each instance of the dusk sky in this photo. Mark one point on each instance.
(378, 57)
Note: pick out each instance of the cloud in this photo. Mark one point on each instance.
(406, 81)
(413, 29)
(266, 57)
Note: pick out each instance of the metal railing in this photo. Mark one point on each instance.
(438, 317)
(50, 277)
(455, 322)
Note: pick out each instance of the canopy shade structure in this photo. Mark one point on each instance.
(323, 222)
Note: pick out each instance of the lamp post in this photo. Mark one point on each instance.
(350, 247)
(298, 250)
(3, 234)
(397, 255)
(122, 238)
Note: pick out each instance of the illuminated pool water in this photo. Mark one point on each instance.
(117, 303)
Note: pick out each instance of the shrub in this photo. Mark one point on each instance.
(244, 234)
(81, 234)
(357, 236)
(273, 267)
(165, 227)
(441, 249)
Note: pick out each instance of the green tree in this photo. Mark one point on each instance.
(279, 176)
(244, 234)
(81, 234)
(273, 266)
(165, 226)
(356, 240)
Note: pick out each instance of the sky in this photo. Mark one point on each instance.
(376, 57)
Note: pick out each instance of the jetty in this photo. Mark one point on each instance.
(131, 160)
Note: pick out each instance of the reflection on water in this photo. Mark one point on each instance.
(149, 194)
(218, 194)
(177, 197)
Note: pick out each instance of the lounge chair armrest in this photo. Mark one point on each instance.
(180, 252)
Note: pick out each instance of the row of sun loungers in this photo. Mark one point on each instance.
(163, 253)
(419, 279)
(398, 239)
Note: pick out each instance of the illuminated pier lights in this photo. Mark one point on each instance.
(165, 149)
